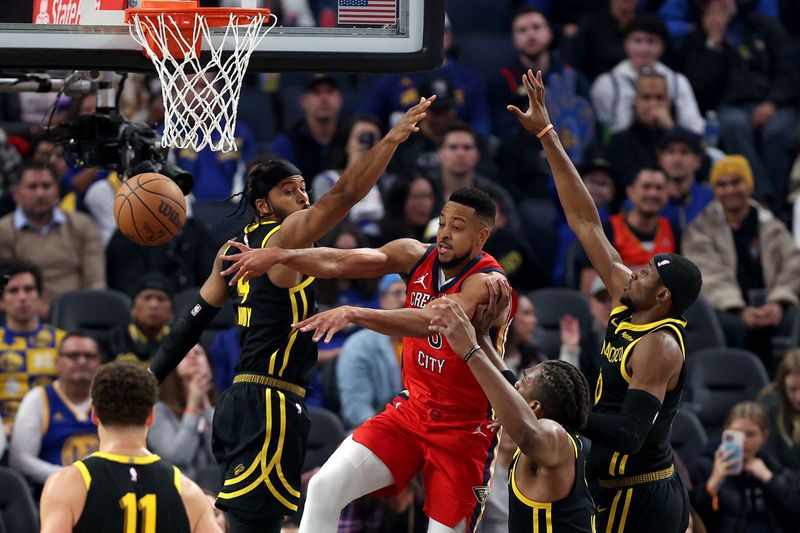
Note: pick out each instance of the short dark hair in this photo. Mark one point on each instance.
(642, 170)
(459, 126)
(525, 10)
(264, 176)
(648, 24)
(123, 394)
(34, 166)
(78, 333)
(564, 393)
(13, 268)
(477, 199)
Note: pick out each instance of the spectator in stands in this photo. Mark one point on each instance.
(744, 253)
(183, 260)
(393, 94)
(151, 313)
(781, 401)
(755, 494)
(613, 92)
(680, 157)
(635, 148)
(360, 134)
(54, 426)
(509, 246)
(64, 246)
(571, 113)
(641, 232)
(368, 371)
(743, 63)
(332, 293)
(410, 205)
(181, 430)
(683, 16)
(598, 45)
(420, 151)
(309, 143)
(29, 347)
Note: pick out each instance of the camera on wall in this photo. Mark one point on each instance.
(108, 141)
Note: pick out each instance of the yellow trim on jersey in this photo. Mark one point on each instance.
(87, 477)
(252, 227)
(623, 369)
(81, 416)
(178, 480)
(574, 444)
(268, 235)
(618, 309)
(302, 285)
(45, 412)
(680, 339)
(650, 325)
(613, 464)
(622, 464)
(128, 459)
(292, 335)
(613, 512)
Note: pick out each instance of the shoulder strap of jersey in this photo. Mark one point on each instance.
(87, 477)
(422, 259)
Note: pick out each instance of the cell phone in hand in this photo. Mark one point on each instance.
(733, 440)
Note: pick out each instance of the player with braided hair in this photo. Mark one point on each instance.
(547, 483)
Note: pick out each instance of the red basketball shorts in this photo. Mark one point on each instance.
(455, 454)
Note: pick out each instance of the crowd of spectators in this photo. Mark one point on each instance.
(681, 116)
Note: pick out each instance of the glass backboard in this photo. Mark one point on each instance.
(337, 36)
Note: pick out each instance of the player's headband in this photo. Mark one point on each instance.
(681, 297)
(267, 175)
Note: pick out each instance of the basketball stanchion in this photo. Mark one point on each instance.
(201, 72)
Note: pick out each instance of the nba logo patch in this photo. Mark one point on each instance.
(481, 494)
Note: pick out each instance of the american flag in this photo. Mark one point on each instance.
(367, 11)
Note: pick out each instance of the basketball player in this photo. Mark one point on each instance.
(260, 423)
(547, 483)
(444, 408)
(642, 360)
(124, 487)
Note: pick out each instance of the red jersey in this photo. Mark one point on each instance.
(433, 374)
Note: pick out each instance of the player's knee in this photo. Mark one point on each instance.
(324, 484)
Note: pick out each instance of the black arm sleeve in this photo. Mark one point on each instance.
(184, 334)
(625, 432)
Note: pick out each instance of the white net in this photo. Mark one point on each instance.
(201, 97)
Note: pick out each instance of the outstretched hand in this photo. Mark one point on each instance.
(408, 124)
(249, 262)
(326, 323)
(535, 119)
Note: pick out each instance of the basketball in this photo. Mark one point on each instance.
(149, 209)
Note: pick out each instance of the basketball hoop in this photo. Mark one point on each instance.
(201, 95)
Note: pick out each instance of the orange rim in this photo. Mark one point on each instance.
(215, 16)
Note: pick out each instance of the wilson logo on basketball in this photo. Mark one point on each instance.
(165, 209)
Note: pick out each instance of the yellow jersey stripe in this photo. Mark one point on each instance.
(177, 480)
(613, 465)
(622, 464)
(269, 234)
(128, 459)
(87, 477)
(628, 494)
(613, 512)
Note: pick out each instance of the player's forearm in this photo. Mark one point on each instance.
(578, 205)
(361, 176)
(485, 342)
(509, 406)
(329, 263)
(395, 322)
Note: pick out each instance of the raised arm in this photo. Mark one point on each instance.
(189, 325)
(543, 441)
(305, 227)
(397, 256)
(578, 206)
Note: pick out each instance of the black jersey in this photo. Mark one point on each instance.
(265, 313)
(573, 513)
(609, 394)
(131, 494)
